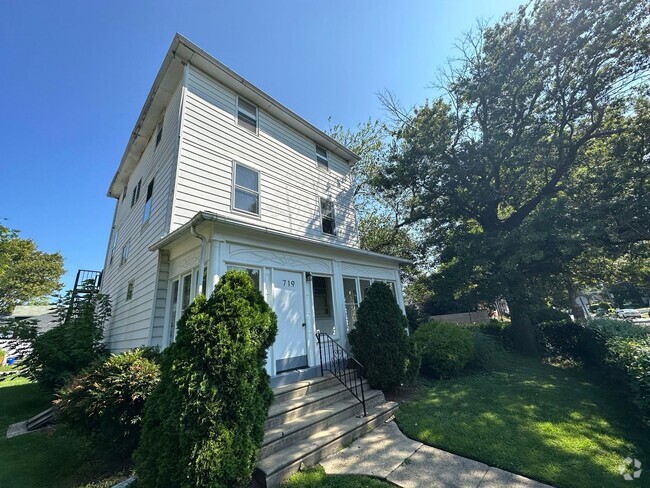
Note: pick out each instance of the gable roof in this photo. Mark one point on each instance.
(182, 51)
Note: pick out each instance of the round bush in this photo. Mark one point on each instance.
(379, 340)
(204, 423)
(489, 354)
(446, 348)
(106, 400)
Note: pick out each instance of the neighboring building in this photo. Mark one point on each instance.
(219, 175)
(44, 315)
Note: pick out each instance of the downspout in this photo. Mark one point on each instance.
(204, 242)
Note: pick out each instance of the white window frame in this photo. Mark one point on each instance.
(130, 286)
(320, 211)
(246, 190)
(159, 133)
(247, 112)
(126, 249)
(146, 213)
(322, 162)
(116, 236)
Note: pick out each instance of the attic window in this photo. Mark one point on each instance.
(160, 131)
(247, 115)
(124, 192)
(136, 193)
(322, 157)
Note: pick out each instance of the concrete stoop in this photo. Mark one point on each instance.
(311, 419)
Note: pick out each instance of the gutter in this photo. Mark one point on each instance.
(204, 216)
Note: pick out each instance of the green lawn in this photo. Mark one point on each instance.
(551, 424)
(51, 458)
(316, 478)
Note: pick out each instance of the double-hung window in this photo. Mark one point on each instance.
(328, 218)
(247, 115)
(147, 203)
(160, 132)
(246, 189)
(321, 157)
(116, 235)
(125, 252)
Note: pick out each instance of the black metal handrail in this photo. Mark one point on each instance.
(338, 361)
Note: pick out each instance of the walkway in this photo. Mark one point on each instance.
(388, 454)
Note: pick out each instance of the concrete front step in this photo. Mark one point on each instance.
(293, 431)
(274, 468)
(283, 412)
(302, 388)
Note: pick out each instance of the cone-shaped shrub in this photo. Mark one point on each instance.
(204, 423)
(379, 340)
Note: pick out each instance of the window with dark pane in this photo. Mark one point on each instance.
(160, 131)
(321, 157)
(129, 290)
(328, 218)
(147, 203)
(247, 115)
(322, 296)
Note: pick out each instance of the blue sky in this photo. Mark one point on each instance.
(74, 77)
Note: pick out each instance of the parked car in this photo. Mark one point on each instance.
(627, 313)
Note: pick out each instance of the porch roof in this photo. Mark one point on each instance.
(166, 242)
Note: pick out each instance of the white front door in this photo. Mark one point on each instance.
(290, 348)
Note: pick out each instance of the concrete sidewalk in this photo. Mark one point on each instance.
(388, 454)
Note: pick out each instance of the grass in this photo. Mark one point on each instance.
(52, 458)
(315, 477)
(552, 424)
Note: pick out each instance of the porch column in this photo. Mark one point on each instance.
(339, 303)
(217, 265)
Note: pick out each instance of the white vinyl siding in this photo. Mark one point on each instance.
(131, 321)
(290, 183)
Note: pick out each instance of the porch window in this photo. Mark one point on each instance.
(254, 274)
(322, 302)
(364, 285)
(351, 301)
(187, 292)
(246, 189)
(172, 312)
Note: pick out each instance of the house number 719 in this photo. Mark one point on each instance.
(288, 283)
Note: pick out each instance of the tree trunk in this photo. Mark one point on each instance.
(576, 309)
(523, 331)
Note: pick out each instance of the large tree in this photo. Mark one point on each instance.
(26, 273)
(490, 168)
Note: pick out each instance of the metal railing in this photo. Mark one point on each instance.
(335, 359)
(87, 277)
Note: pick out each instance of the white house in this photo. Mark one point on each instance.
(219, 175)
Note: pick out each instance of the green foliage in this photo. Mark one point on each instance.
(315, 477)
(446, 348)
(204, 423)
(379, 340)
(414, 362)
(600, 306)
(632, 357)
(560, 337)
(25, 272)
(548, 314)
(552, 181)
(414, 317)
(106, 400)
(75, 343)
(489, 354)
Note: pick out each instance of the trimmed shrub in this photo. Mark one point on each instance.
(106, 400)
(379, 340)
(488, 355)
(632, 357)
(548, 314)
(414, 317)
(446, 348)
(414, 362)
(560, 338)
(204, 423)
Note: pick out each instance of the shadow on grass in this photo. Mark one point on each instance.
(20, 400)
(554, 425)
